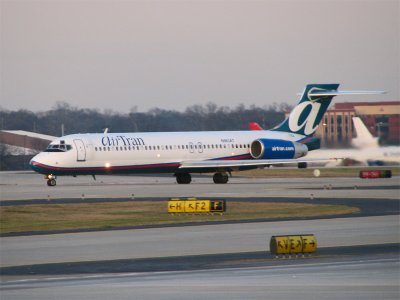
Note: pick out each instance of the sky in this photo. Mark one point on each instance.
(138, 55)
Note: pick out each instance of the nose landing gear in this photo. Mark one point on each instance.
(51, 180)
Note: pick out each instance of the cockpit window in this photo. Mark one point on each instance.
(58, 148)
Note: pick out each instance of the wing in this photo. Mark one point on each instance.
(232, 164)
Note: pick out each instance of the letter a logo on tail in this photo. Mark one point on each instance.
(308, 125)
(306, 116)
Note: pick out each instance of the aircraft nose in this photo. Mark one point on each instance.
(32, 162)
(35, 164)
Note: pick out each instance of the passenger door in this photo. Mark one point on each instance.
(80, 150)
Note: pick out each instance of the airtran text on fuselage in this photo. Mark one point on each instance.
(122, 140)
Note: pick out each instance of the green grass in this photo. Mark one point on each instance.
(112, 215)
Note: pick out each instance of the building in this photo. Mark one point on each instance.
(25, 139)
(381, 118)
(17, 147)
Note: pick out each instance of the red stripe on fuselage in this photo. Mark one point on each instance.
(114, 168)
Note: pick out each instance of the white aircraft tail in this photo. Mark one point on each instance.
(364, 138)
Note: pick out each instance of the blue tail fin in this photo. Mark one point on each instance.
(307, 114)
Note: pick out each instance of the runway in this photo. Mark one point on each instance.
(372, 277)
(215, 261)
(28, 185)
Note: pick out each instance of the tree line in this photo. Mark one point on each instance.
(208, 117)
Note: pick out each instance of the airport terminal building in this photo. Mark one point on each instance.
(381, 118)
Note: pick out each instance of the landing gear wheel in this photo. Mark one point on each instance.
(183, 178)
(220, 178)
(51, 182)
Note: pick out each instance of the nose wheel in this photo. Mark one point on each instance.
(51, 182)
(51, 179)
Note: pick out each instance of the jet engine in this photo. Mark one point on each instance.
(277, 149)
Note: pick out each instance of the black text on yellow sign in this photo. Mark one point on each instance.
(196, 206)
(291, 244)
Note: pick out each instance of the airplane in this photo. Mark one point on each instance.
(367, 151)
(183, 153)
(364, 138)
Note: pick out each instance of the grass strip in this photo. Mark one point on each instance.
(119, 214)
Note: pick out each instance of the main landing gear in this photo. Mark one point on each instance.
(220, 178)
(185, 178)
(51, 180)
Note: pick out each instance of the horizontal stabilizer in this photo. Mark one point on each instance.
(340, 93)
(332, 93)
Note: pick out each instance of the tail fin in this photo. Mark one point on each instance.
(364, 138)
(255, 126)
(307, 114)
(314, 101)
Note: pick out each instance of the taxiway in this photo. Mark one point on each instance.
(215, 261)
(29, 185)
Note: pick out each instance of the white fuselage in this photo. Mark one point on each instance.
(147, 152)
